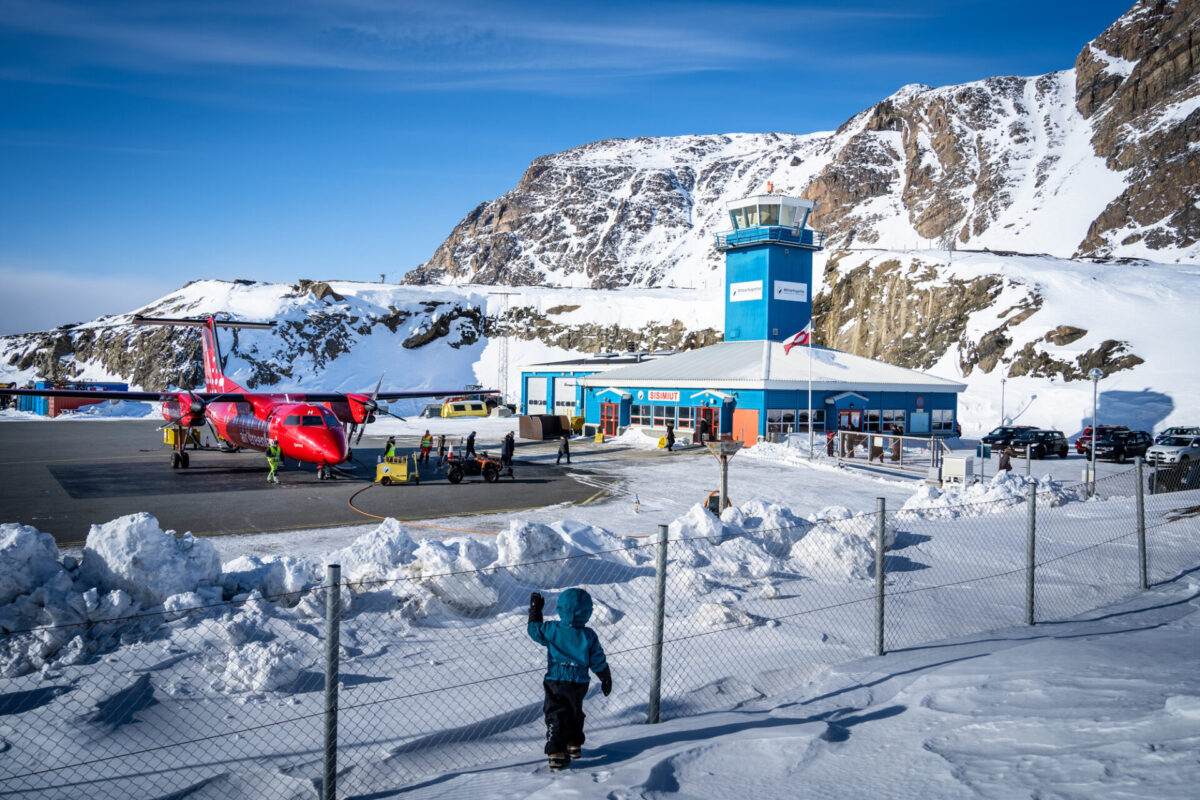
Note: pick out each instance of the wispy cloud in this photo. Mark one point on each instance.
(445, 45)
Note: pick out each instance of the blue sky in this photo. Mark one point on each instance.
(144, 144)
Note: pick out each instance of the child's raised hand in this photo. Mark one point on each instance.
(536, 601)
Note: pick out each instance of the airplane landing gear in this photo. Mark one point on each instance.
(179, 460)
(324, 473)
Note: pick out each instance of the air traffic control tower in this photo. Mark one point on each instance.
(768, 267)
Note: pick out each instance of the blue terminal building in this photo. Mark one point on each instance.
(749, 386)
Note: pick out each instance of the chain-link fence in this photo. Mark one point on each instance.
(432, 671)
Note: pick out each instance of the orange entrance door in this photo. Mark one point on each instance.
(745, 425)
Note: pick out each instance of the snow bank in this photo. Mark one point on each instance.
(633, 437)
(1000, 493)
(115, 409)
(280, 578)
(532, 553)
(828, 554)
(452, 571)
(259, 667)
(133, 554)
(376, 556)
(28, 559)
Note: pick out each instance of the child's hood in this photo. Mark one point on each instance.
(575, 607)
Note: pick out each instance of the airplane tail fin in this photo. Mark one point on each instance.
(214, 375)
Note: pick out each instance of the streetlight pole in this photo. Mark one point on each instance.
(1095, 374)
(1003, 381)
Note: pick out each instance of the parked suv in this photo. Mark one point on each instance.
(1178, 430)
(1002, 437)
(1174, 450)
(1085, 438)
(1122, 445)
(1039, 444)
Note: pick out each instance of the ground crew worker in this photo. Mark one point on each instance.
(470, 451)
(426, 446)
(441, 448)
(389, 449)
(506, 450)
(274, 460)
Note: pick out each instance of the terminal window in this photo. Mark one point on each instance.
(781, 420)
(663, 415)
(685, 418)
(943, 419)
(818, 419)
(639, 415)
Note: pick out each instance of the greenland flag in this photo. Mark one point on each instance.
(797, 338)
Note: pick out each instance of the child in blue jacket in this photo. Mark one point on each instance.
(571, 650)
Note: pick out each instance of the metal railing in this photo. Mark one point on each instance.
(743, 237)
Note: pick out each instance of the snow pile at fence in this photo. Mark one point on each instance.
(133, 554)
(1004, 489)
(135, 577)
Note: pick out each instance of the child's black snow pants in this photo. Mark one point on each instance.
(563, 708)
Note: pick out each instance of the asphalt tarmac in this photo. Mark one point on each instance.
(63, 477)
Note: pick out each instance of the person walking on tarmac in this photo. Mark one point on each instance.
(426, 446)
(506, 450)
(470, 451)
(274, 460)
(670, 437)
(564, 448)
(389, 449)
(702, 431)
(441, 448)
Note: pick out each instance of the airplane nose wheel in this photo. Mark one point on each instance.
(179, 460)
(324, 473)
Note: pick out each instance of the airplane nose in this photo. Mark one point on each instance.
(334, 449)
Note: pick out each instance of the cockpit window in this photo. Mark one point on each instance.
(293, 420)
(314, 422)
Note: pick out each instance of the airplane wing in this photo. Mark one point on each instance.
(150, 397)
(234, 397)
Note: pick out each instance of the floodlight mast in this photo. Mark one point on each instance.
(1095, 374)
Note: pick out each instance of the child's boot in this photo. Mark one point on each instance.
(575, 750)
(559, 760)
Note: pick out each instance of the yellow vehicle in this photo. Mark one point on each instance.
(397, 469)
(464, 408)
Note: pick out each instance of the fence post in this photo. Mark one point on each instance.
(333, 613)
(880, 534)
(660, 598)
(1030, 554)
(1141, 523)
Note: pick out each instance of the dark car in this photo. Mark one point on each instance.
(1122, 445)
(1085, 438)
(1002, 437)
(1039, 444)
(1174, 479)
(1178, 430)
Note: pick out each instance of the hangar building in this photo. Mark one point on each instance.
(753, 385)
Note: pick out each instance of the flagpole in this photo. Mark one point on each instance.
(810, 408)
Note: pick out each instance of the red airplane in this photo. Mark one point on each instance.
(307, 425)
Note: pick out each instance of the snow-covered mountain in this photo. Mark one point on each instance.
(1095, 160)
(610, 245)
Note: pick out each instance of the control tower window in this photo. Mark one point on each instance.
(787, 216)
(751, 216)
(739, 217)
(769, 214)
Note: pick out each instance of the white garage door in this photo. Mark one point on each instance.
(564, 396)
(535, 395)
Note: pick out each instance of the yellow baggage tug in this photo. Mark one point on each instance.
(397, 469)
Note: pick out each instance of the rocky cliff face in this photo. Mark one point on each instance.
(1096, 160)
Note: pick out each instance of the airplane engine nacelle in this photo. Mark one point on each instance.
(184, 410)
